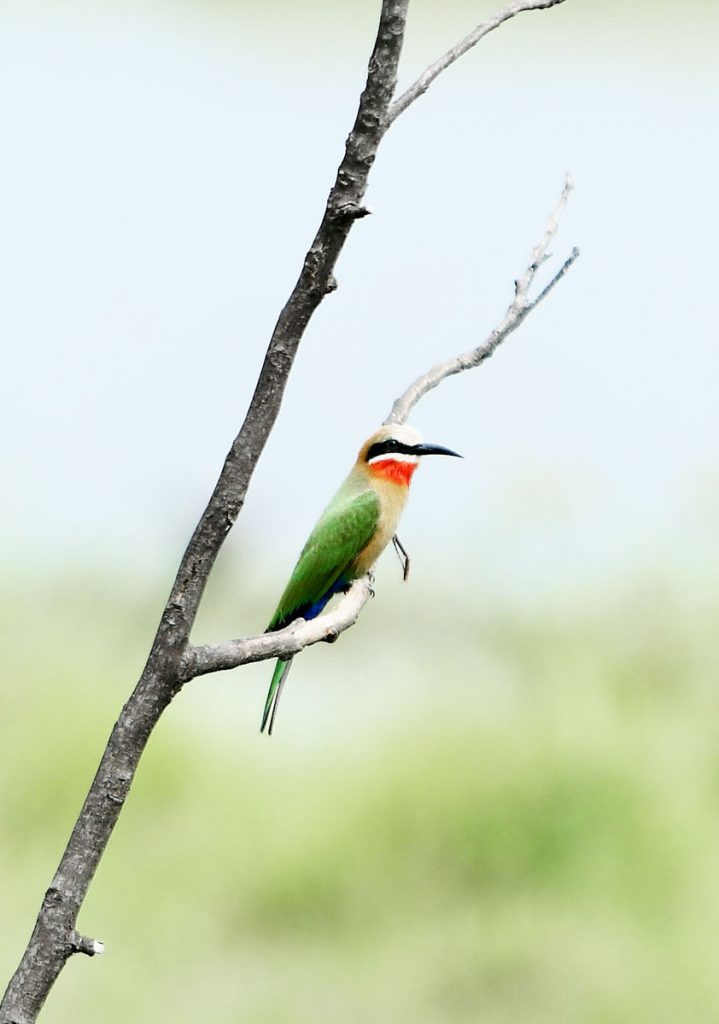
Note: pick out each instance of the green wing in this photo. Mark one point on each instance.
(343, 530)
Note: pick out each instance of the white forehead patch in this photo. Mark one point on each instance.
(400, 432)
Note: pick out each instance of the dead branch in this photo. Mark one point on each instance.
(172, 661)
(428, 76)
(519, 308)
(284, 643)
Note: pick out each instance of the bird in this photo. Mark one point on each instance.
(350, 535)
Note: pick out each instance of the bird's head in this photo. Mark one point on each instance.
(393, 452)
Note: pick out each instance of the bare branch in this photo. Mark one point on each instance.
(52, 940)
(287, 642)
(519, 307)
(428, 76)
(172, 661)
(284, 643)
(574, 255)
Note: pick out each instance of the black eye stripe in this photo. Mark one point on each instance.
(389, 447)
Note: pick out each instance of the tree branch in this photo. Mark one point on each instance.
(172, 661)
(51, 943)
(284, 643)
(519, 308)
(287, 642)
(428, 76)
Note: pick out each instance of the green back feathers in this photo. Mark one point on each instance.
(346, 526)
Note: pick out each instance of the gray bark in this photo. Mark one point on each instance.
(172, 660)
(54, 938)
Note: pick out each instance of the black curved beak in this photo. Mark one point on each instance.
(434, 449)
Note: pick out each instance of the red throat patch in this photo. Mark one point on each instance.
(394, 471)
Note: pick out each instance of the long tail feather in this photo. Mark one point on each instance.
(274, 693)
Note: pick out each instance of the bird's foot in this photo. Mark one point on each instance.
(370, 580)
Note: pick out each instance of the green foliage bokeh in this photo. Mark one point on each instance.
(529, 834)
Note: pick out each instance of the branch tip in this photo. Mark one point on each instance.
(422, 84)
(520, 306)
(84, 944)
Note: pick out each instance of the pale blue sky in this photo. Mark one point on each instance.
(164, 169)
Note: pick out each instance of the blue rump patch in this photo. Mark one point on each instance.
(313, 610)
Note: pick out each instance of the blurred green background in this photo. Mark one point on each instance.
(496, 798)
(492, 814)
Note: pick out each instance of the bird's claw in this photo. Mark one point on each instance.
(370, 581)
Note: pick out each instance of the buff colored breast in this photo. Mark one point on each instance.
(393, 497)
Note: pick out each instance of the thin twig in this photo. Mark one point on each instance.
(520, 306)
(428, 76)
(172, 661)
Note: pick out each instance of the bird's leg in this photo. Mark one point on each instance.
(402, 555)
(370, 577)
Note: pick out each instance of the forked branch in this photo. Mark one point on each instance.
(287, 642)
(517, 311)
(172, 661)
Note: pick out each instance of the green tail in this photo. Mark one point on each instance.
(274, 693)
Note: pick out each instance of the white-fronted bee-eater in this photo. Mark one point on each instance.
(351, 533)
